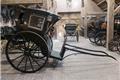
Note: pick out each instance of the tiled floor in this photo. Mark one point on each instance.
(76, 67)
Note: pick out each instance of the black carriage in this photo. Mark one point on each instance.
(30, 45)
(71, 31)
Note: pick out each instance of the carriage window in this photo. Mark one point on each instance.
(36, 22)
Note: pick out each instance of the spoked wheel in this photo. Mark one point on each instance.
(100, 39)
(24, 54)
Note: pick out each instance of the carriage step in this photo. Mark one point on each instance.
(56, 55)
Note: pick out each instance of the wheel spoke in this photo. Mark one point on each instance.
(33, 45)
(15, 52)
(21, 49)
(17, 57)
(35, 48)
(20, 62)
(35, 61)
(35, 52)
(97, 40)
(26, 62)
(42, 58)
(31, 63)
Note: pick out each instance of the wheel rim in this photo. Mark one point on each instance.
(25, 55)
(100, 39)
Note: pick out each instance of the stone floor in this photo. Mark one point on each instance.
(76, 67)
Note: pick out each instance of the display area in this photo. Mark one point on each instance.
(75, 40)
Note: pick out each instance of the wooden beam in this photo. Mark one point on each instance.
(117, 10)
(20, 1)
(110, 21)
(97, 13)
(85, 19)
(101, 2)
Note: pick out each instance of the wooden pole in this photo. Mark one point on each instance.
(110, 21)
(85, 19)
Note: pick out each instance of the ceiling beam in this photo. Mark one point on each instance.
(97, 13)
(101, 2)
(21, 1)
(117, 10)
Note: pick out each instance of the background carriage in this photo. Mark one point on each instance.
(71, 31)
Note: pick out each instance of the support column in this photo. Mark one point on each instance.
(85, 19)
(110, 21)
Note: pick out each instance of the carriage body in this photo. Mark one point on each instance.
(36, 20)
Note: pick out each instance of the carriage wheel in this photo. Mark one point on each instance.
(24, 54)
(100, 39)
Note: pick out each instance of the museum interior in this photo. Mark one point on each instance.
(60, 40)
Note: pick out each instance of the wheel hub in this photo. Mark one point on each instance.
(27, 52)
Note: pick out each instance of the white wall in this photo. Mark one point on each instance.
(62, 6)
(76, 6)
(91, 7)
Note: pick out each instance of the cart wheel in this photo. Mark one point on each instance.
(100, 39)
(24, 54)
